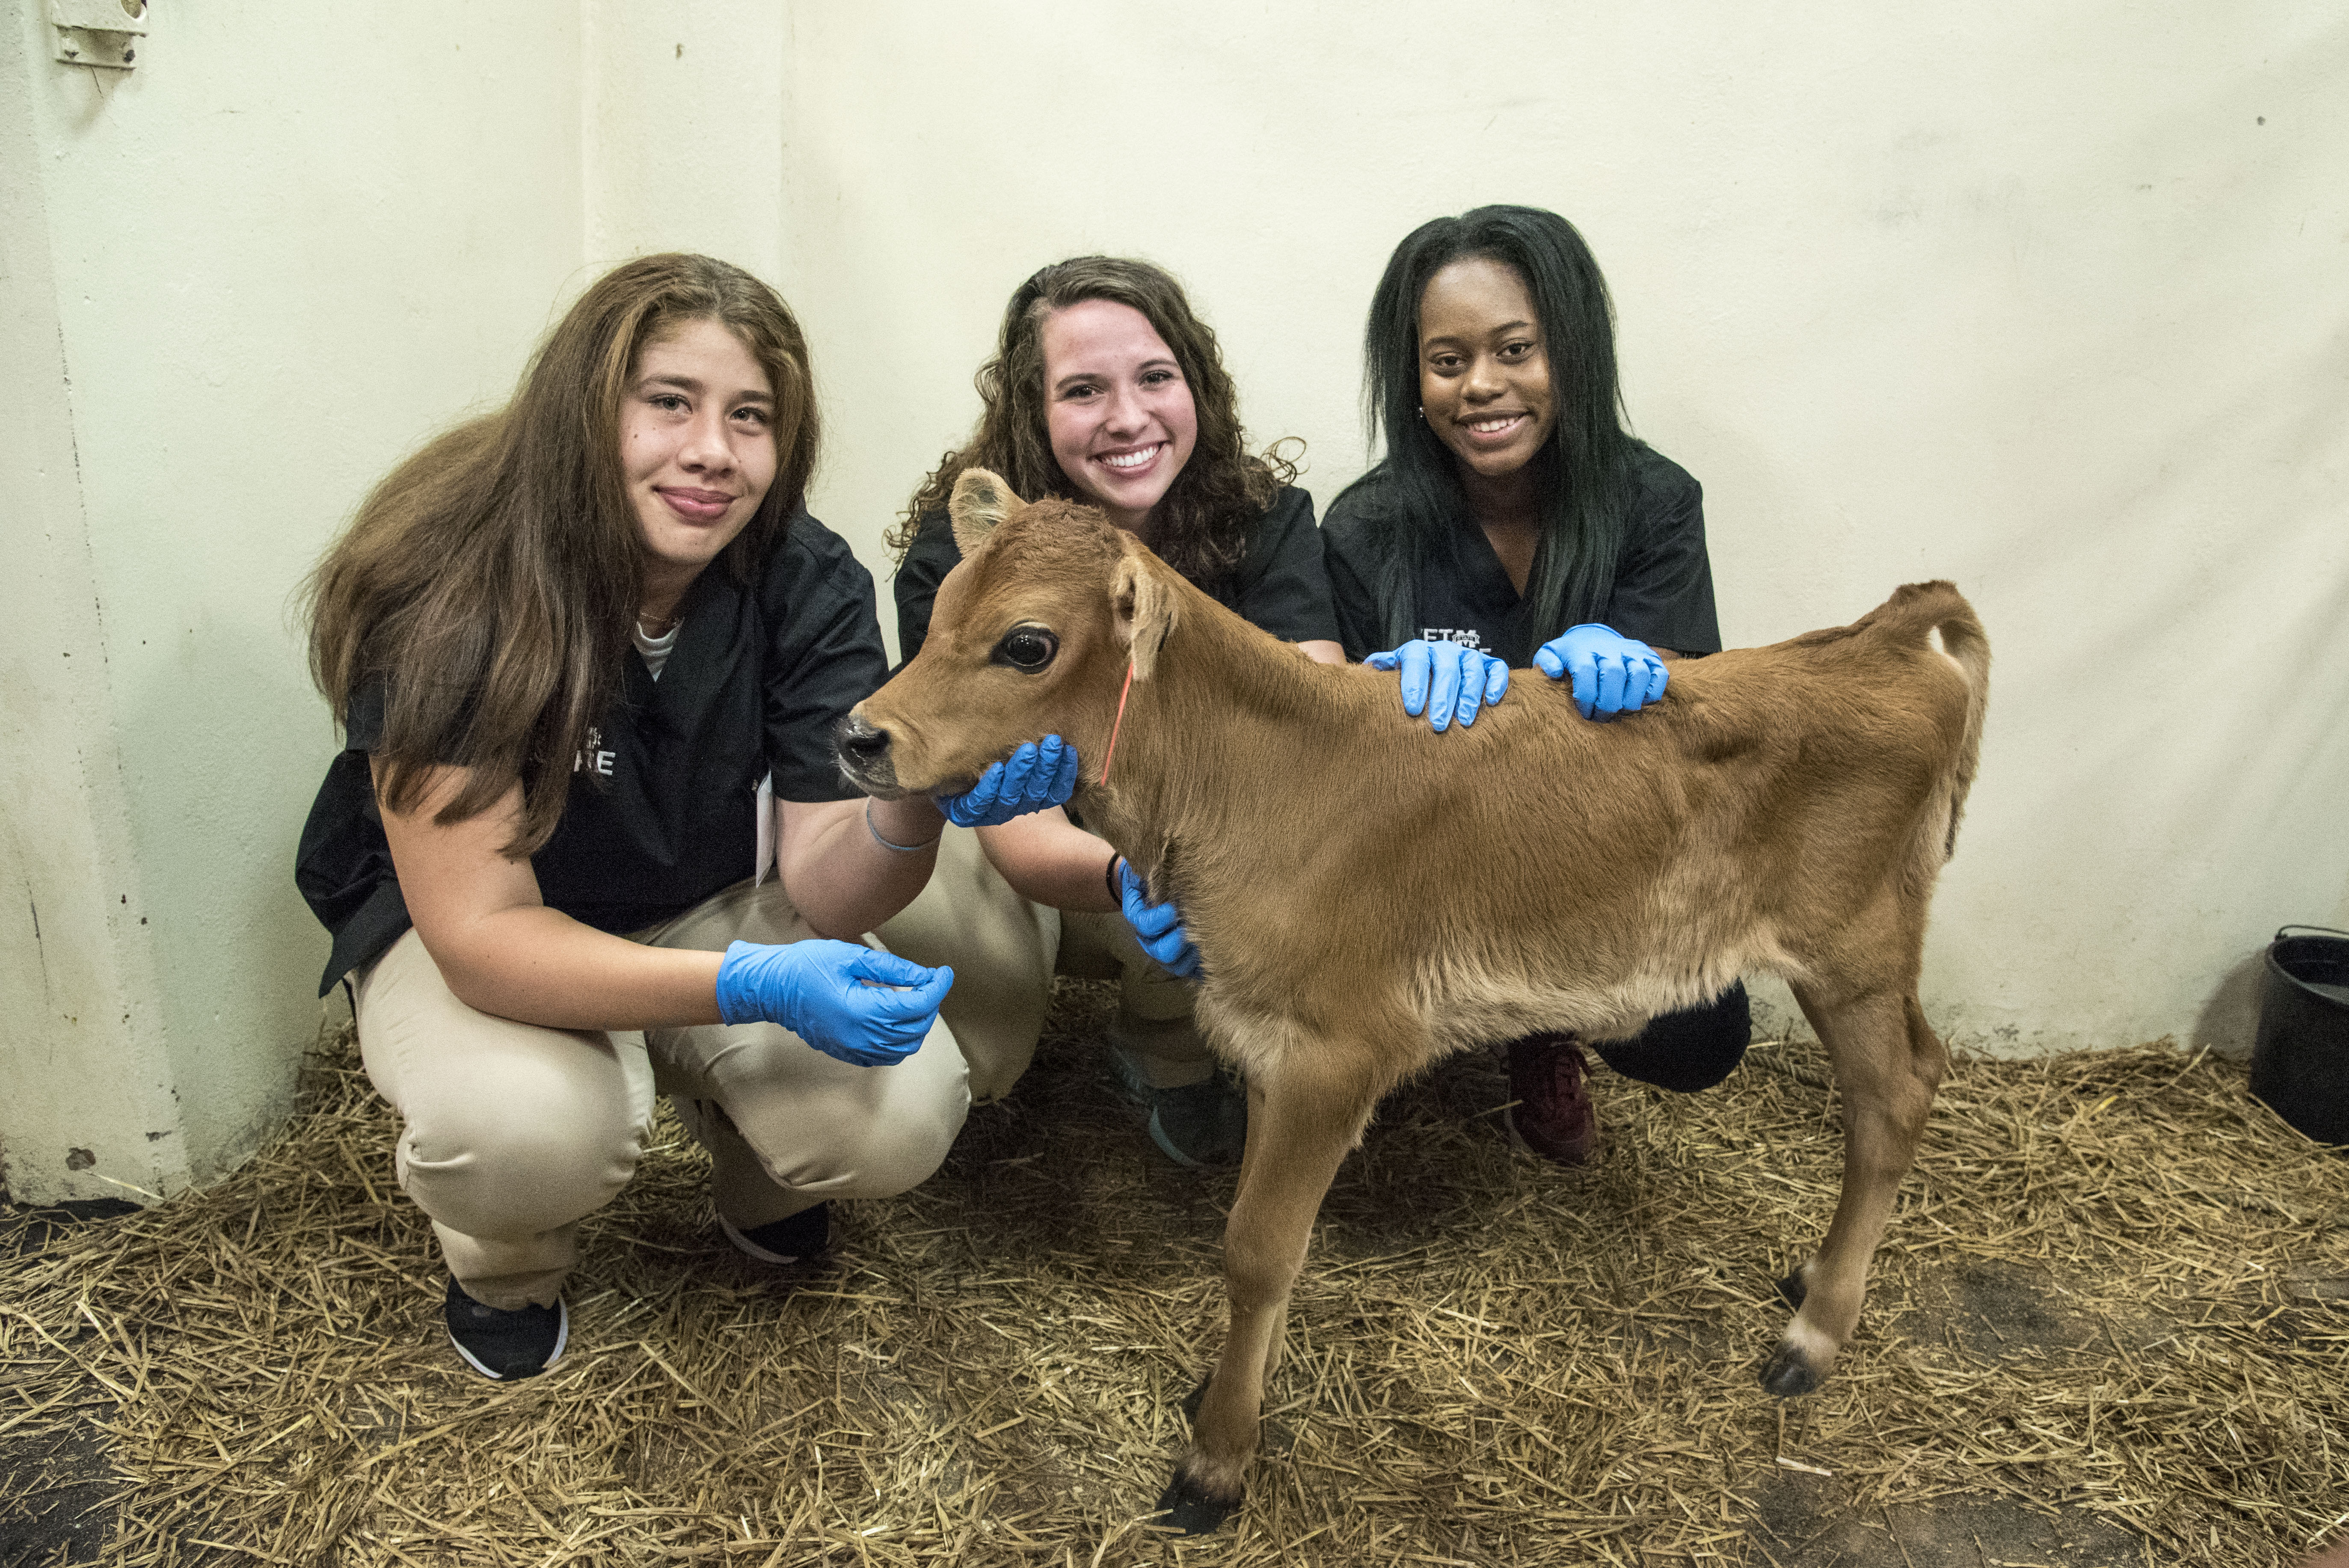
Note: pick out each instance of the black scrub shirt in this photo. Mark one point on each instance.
(1279, 585)
(1663, 580)
(758, 677)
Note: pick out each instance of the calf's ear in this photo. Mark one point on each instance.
(979, 501)
(1142, 609)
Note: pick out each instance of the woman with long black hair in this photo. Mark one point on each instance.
(1513, 521)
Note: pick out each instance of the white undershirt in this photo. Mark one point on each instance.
(655, 650)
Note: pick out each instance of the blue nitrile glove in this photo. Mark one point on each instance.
(1159, 927)
(1038, 774)
(1611, 674)
(1463, 679)
(815, 989)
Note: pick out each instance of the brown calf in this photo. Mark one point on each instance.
(1368, 898)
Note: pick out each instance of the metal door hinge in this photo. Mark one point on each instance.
(98, 32)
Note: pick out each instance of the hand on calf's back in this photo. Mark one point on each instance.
(1444, 680)
(1451, 682)
(1611, 674)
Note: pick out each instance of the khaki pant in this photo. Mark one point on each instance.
(1154, 1030)
(1001, 947)
(514, 1132)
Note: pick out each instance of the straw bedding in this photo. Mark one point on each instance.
(2110, 1325)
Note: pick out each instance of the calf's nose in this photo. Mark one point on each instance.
(862, 749)
(861, 739)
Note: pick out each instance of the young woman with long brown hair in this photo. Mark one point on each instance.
(1106, 388)
(576, 646)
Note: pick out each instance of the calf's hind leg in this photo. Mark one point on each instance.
(1300, 1126)
(1888, 1064)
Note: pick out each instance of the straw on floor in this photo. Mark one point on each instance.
(2114, 1293)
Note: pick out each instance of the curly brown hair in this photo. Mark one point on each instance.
(1200, 527)
(494, 576)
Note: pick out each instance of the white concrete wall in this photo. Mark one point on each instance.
(2051, 301)
(2054, 303)
(241, 280)
(684, 130)
(80, 1042)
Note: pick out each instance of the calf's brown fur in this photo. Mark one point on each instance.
(1367, 897)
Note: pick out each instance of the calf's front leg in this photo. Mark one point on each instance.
(1300, 1126)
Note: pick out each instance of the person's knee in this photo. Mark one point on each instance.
(1691, 1050)
(876, 1155)
(515, 1158)
(997, 1057)
(863, 1146)
(884, 1159)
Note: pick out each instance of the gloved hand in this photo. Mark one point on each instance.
(1611, 674)
(1159, 926)
(815, 989)
(1463, 679)
(1037, 774)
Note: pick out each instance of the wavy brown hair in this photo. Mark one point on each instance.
(1200, 526)
(491, 578)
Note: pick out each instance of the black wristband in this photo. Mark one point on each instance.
(1109, 879)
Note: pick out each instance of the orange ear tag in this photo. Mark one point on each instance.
(1119, 723)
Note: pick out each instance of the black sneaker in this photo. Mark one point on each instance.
(1197, 1124)
(506, 1345)
(792, 1239)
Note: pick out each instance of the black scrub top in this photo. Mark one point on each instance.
(758, 678)
(1663, 580)
(1279, 585)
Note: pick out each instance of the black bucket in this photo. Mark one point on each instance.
(2300, 1065)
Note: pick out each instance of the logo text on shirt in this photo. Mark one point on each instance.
(1467, 637)
(594, 757)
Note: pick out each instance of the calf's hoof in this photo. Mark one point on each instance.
(1190, 1508)
(1790, 1290)
(1789, 1374)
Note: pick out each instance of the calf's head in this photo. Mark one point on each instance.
(1031, 635)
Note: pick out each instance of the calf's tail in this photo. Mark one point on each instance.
(1935, 615)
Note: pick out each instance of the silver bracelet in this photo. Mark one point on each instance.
(895, 849)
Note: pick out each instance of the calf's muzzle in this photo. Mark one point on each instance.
(862, 748)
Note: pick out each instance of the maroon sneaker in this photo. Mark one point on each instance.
(1550, 1082)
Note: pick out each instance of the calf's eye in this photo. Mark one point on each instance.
(1027, 648)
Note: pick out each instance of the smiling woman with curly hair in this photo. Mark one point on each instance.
(1200, 505)
(1105, 388)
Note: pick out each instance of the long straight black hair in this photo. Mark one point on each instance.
(1584, 471)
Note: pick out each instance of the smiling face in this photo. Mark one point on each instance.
(696, 450)
(1116, 408)
(1483, 372)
